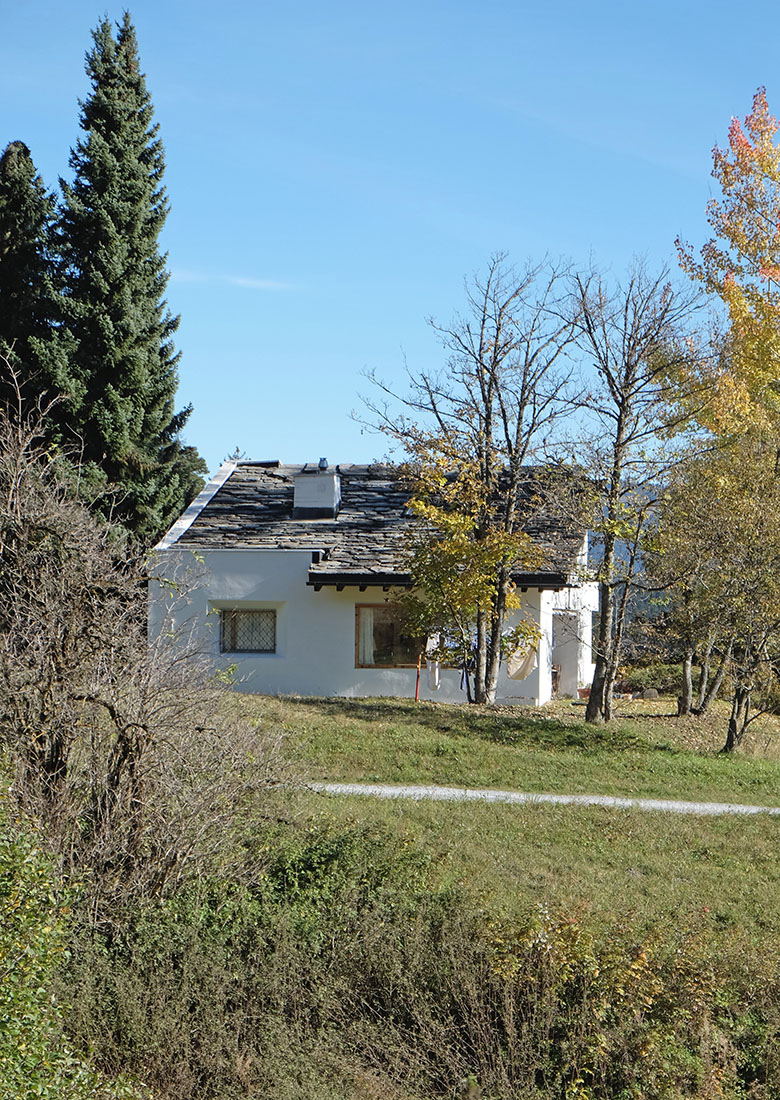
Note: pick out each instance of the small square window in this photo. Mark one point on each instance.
(248, 630)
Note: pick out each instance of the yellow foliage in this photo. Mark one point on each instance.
(741, 265)
(463, 547)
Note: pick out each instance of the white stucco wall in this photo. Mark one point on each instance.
(536, 688)
(573, 636)
(315, 650)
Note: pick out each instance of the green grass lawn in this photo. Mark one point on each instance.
(644, 752)
(641, 869)
(620, 867)
(634, 868)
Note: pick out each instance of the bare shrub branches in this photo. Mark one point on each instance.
(127, 756)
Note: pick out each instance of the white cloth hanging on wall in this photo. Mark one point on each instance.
(433, 669)
(521, 663)
(366, 635)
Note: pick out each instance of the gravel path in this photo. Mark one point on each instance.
(465, 794)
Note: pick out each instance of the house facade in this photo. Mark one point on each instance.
(288, 575)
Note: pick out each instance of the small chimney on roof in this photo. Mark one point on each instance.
(317, 493)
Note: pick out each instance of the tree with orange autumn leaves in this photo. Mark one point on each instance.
(741, 266)
(717, 534)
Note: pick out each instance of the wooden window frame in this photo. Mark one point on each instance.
(358, 664)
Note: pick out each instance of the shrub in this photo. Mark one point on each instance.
(127, 757)
(35, 1060)
(665, 678)
(338, 960)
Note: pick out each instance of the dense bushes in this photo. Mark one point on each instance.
(665, 678)
(35, 1061)
(127, 763)
(337, 968)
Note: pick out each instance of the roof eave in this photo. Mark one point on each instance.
(543, 581)
(552, 581)
(362, 581)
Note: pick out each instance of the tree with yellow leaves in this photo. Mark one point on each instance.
(462, 554)
(724, 588)
(738, 488)
(741, 266)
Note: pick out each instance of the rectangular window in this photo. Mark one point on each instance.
(248, 630)
(381, 641)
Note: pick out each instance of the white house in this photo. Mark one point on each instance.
(287, 575)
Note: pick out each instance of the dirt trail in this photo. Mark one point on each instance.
(466, 794)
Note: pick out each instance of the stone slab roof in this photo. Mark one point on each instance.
(249, 506)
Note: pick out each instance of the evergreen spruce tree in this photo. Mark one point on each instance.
(32, 341)
(124, 367)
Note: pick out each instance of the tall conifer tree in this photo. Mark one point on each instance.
(31, 340)
(124, 368)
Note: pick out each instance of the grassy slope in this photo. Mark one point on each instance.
(643, 867)
(640, 753)
(624, 867)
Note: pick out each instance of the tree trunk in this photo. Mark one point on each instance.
(715, 685)
(609, 688)
(467, 680)
(494, 643)
(480, 693)
(594, 712)
(685, 701)
(600, 700)
(738, 719)
(704, 676)
(618, 625)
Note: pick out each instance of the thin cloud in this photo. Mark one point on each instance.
(188, 275)
(258, 284)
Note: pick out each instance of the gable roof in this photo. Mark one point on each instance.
(249, 506)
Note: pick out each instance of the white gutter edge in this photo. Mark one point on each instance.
(185, 521)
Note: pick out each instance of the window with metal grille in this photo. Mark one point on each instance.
(248, 630)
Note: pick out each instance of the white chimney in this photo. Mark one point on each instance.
(317, 493)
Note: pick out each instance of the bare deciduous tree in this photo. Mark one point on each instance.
(482, 416)
(631, 337)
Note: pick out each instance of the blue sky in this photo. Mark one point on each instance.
(336, 170)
